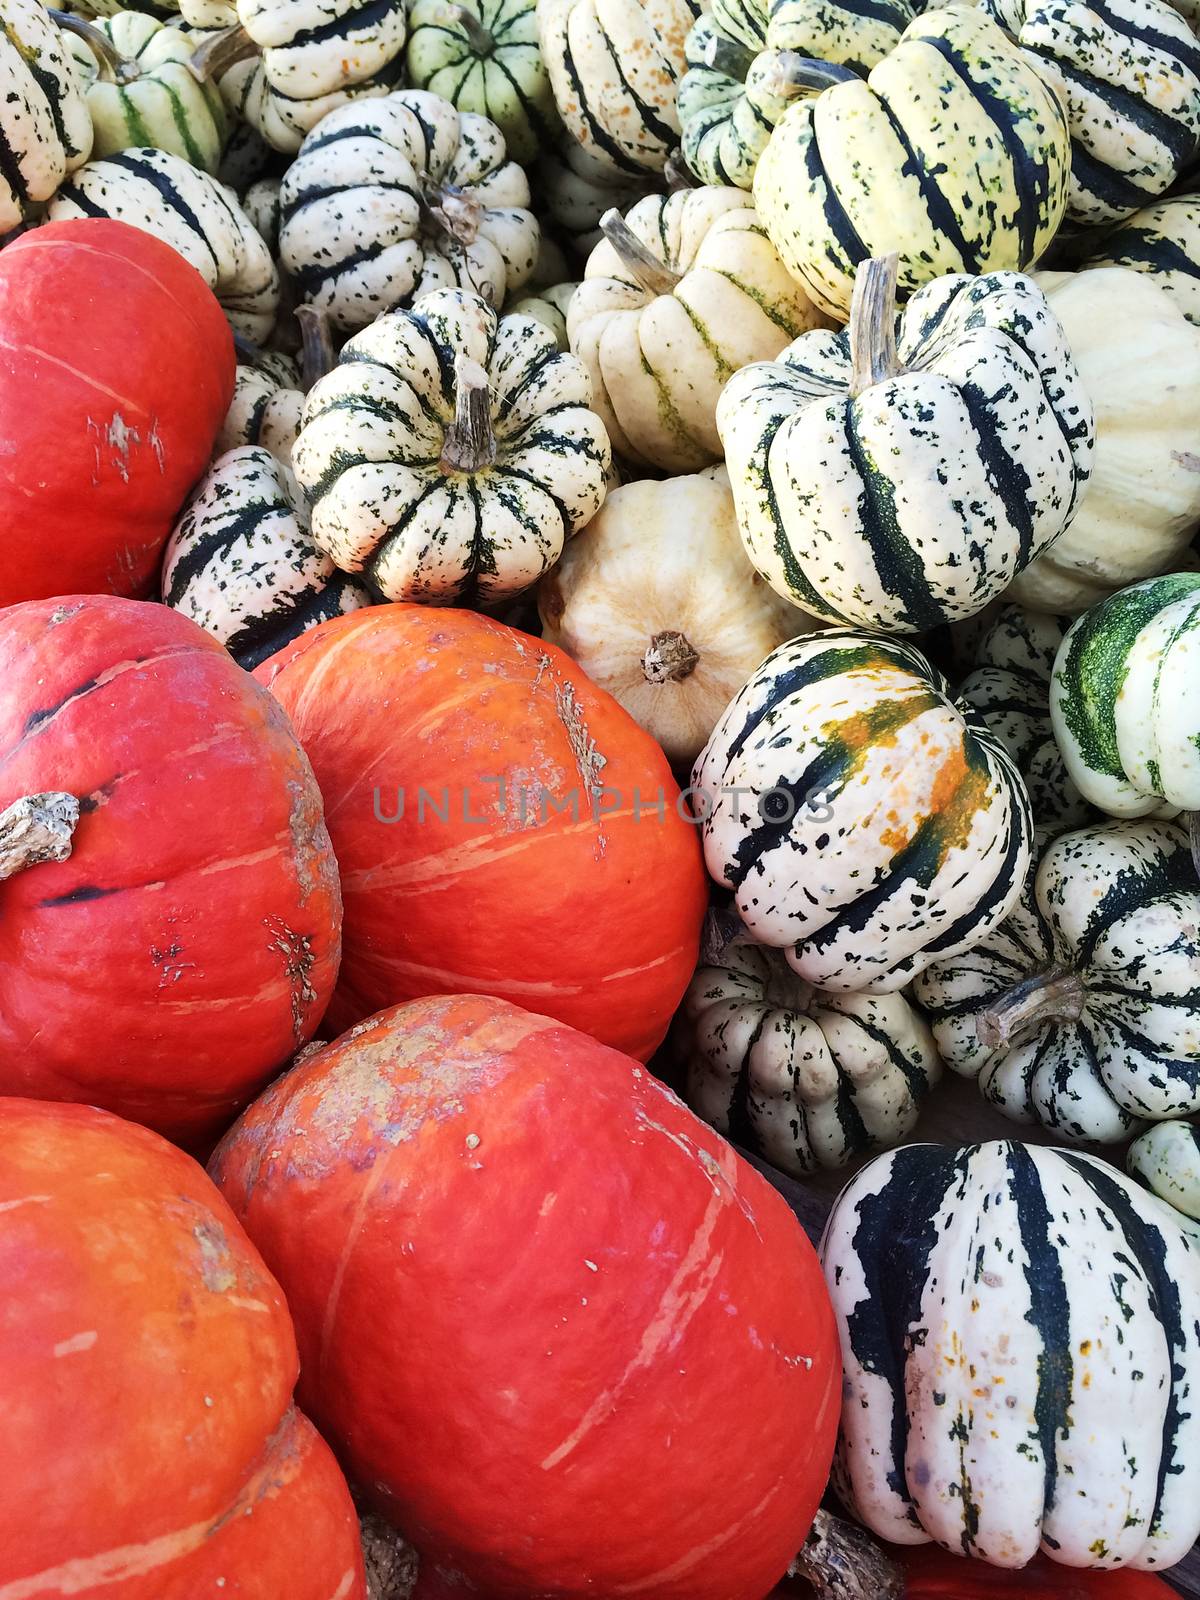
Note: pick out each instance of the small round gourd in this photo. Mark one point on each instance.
(547, 306)
(1164, 241)
(1167, 1160)
(45, 129)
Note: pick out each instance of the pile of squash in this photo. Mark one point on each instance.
(593, 593)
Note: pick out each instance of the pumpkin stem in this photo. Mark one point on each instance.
(36, 829)
(843, 1562)
(478, 36)
(114, 68)
(245, 349)
(642, 265)
(470, 442)
(873, 324)
(788, 74)
(316, 345)
(456, 212)
(1055, 995)
(725, 55)
(669, 658)
(1193, 827)
(391, 1563)
(677, 174)
(224, 50)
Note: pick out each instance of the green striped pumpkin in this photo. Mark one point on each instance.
(1164, 240)
(574, 191)
(899, 475)
(862, 823)
(549, 307)
(954, 152)
(45, 129)
(1166, 1158)
(1020, 1332)
(1083, 1011)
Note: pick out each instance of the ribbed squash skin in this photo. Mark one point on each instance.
(1163, 240)
(45, 129)
(1167, 1160)
(531, 1291)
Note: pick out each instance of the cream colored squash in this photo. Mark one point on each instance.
(658, 603)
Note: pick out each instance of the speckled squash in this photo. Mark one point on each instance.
(1020, 1332)
(547, 306)
(1167, 1160)
(574, 191)
(260, 202)
(266, 409)
(45, 129)
(1164, 241)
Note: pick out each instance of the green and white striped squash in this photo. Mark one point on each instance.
(1163, 240)
(260, 202)
(1020, 1332)
(451, 453)
(246, 158)
(574, 191)
(1131, 73)
(954, 152)
(1083, 1011)
(863, 824)
(282, 120)
(484, 56)
(265, 410)
(391, 199)
(241, 561)
(806, 1078)
(167, 196)
(1167, 1160)
(678, 296)
(900, 474)
(45, 129)
(547, 306)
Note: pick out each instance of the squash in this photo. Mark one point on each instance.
(483, 56)
(547, 306)
(1081, 1012)
(391, 200)
(262, 205)
(574, 191)
(1166, 1158)
(1131, 73)
(167, 196)
(117, 428)
(1143, 500)
(659, 606)
(624, 1248)
(804, 1077)
(1163, 240)
(863, 824)
(269, 389)
(678, 296)
(497, 819)
(954, 152)
(45, 129)
(933, 1574)
(1019, 1329)
(451, 453)
(133, 1277)
(242, 564)
(177, 938)
(899, 474)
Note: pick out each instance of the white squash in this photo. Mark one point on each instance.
(45, 127)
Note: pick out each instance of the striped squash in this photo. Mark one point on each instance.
(547, 306)
(678, 296)
(394, 198)
(283, 122)
(164, 195)
(484, 56)
(265, 410)
(45, 129)
(954, 152)
(1083, 1011)
(1166, 1158)
(574, 191)
(1163, 240)
(863, 824)
(451, 453)
(899, 475)
(805, 1078)
(1131, 73)
(260, 202)
(1020, 1332)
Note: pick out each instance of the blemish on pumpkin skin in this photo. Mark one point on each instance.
(217, 1272)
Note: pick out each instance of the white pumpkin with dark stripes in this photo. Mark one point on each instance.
(165, 195)
(241, 561)
(451, 453)
(1163, 240)
(260, 202)
(806, 1078)
(547, 306)
(45, 128)
(1020, 1332)
(1083, 1011)
(954, 152)
(391, 199)
(1166, 1158)
(265, 410)
(573, 191)
(862, 823)
(900, 474)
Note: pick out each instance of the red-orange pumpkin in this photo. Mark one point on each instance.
(147, 1362)
(529, 861)
(190, 941)
(116, 370)
(932, 1574)
(572, 1344)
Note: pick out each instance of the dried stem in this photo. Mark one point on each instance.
(873, 324)
(669, 658)
(114, 67)
(316, 345)
(478, 36)
(36, 829)
(470, 442)
(842, 1562)
(789, 74)
(224, 50)
(457, 212)
(1053, 996)
(391, 1563)
(725, 55)
(639, 261)
(677, 175)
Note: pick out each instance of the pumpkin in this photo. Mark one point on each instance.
(269, 389)
(574, 191)
(593, 1373)
(678, 296)
(483, 56)
(164, 195)
(954, 152)
(1019, 1328)
(614, 67)
(806, 1078)
(1081, 1012)
(119, 427)
(497, 819)
(1166, 1158)
(547, 306)
(133, 1278)
(1163, 240)
(862, 823)
(933, 1574)
(391, 200)
(1143, 500)
(659, 606)
(45, 129)
(262, 205)
(899, 475)
(180, 940)
(1131, 73)
(451, 452)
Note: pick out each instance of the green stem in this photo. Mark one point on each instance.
(478, 37)
(726, 56)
